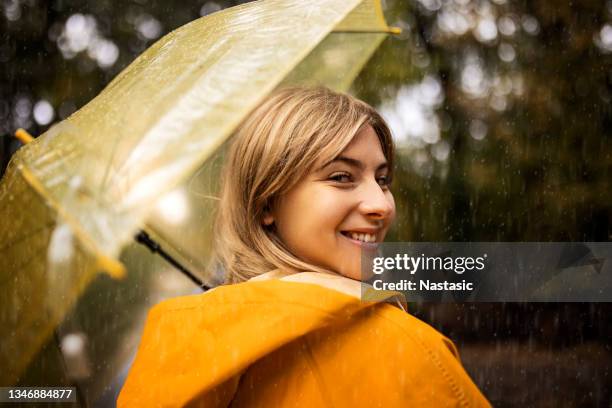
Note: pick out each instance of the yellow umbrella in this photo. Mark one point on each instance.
(73, 198)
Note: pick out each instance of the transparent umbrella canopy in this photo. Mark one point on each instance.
(73, 199)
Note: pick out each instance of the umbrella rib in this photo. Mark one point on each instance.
(110, 162)
(112, 266)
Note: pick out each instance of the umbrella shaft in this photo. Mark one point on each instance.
(143, 238)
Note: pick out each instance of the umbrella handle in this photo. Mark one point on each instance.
(143, 238)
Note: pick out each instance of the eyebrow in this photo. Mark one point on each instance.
(353, 163)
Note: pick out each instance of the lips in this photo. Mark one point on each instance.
(360, 236)
(364, 240)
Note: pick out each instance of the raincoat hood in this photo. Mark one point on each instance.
(278, 343)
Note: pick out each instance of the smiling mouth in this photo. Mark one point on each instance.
(360, 237)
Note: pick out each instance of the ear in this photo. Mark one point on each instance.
(268, 218)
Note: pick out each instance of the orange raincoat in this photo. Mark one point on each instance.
(278, 343)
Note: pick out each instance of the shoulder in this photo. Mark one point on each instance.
(265, 303)
(409, 350)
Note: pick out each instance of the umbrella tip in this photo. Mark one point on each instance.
(112, 267)
(23, 136)
(395, 30)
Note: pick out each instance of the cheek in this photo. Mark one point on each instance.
(333, 208)
(307, 224)
(310, 214)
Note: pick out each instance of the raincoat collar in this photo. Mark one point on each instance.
(338, 283)
(197, 345)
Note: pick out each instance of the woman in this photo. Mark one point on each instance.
(306, 190)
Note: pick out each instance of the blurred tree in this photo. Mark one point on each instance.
(502, 114)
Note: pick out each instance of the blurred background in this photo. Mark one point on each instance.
(501, 111)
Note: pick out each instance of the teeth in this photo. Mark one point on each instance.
(362, 237)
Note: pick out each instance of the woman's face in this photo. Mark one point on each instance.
(339, 209)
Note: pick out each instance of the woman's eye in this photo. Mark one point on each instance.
(384, 181)
(341, 177)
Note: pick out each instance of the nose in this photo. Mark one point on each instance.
(376, 203)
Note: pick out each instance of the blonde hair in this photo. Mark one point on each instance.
(274, 148)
